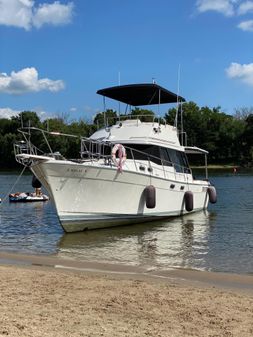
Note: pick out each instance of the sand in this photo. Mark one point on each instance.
(44, 299)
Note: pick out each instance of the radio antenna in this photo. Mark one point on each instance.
(178, 89)
(119, 84)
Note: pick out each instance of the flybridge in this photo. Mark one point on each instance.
(141, 94)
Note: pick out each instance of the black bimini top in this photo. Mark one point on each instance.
(141, 94)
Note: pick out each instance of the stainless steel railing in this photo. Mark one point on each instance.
(98, 151)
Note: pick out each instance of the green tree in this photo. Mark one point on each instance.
(7, 158)
(143, 114)
(107, 118)
(247, 142)
(229, 139)
(210, 129)
(27, 118)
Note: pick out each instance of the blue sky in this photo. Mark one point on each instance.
(55, 55)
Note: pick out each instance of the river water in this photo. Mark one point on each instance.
(220, 239)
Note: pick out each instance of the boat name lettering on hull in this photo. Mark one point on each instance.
(76, 170)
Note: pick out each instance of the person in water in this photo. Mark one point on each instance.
(38, 192)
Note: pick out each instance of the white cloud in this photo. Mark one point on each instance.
(8, 113)
(54, 14)
(245, 7)
(246, 25)
(225, 7)
(27, 80)
(243, 72)
(41, 113)
(89, 109)
(16, 13)
(229, 8)
(24, 13)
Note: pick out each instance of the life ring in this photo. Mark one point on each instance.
(118, 162)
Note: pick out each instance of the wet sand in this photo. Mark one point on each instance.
(47, 296)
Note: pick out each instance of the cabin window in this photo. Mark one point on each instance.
(143, 152)
(179, 160)
(166, 160)
(158, 155)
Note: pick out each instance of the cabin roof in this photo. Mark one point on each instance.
(194, 150)
(141, 94)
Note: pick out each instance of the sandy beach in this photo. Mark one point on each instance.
(49, 297)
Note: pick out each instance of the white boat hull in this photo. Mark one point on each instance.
(89, 196)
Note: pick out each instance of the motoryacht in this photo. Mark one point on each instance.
(130, 172)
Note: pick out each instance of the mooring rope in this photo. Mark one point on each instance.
(15, 183)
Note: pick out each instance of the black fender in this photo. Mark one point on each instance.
(188, 201)
(150, 196)
(211, 191)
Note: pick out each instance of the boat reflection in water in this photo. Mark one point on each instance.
(179, 242)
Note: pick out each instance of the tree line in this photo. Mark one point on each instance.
(227, 138)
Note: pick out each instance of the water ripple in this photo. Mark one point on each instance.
(219, 240)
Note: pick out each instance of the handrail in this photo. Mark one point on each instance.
(95, 150)
(154, 118)
(53, 133)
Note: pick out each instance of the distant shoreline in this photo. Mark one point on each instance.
(223, 167)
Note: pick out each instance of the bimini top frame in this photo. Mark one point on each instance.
(197, 150)
(141, 94)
